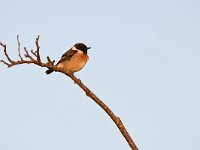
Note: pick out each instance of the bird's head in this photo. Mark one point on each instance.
(82, 47)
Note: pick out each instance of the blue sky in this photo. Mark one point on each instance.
(144, 64)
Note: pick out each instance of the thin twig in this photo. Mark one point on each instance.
(5, 52)
(5, 62)
(28, 56)
(19, 53)
(38, 48)
(50, 61)
(34, 53)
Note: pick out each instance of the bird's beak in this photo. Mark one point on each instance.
(88, 47)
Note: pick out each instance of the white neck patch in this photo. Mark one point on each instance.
(74, 48)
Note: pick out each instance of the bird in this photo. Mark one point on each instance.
(73, 60)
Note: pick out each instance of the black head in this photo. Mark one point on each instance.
(82, 47)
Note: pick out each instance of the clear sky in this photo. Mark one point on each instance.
(144, 64)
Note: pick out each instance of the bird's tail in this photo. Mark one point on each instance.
(49, 71)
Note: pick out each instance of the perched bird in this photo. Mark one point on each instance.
(73, 60)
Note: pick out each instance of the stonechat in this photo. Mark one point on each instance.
(73, 60)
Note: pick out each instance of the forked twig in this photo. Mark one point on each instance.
(5, 52)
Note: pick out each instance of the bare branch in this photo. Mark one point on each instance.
(50, 64)
(30, 60)
(115, 119)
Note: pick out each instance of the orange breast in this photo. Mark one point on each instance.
(76, 63)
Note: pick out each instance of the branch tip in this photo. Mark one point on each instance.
(50, 61)
(34, 53)
(19, 53)
(38, 49)
(3, 45)
(5, 63)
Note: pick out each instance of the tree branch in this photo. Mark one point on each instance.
(116, 119)
(50, 64)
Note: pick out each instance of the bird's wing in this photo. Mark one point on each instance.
(67, 55)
